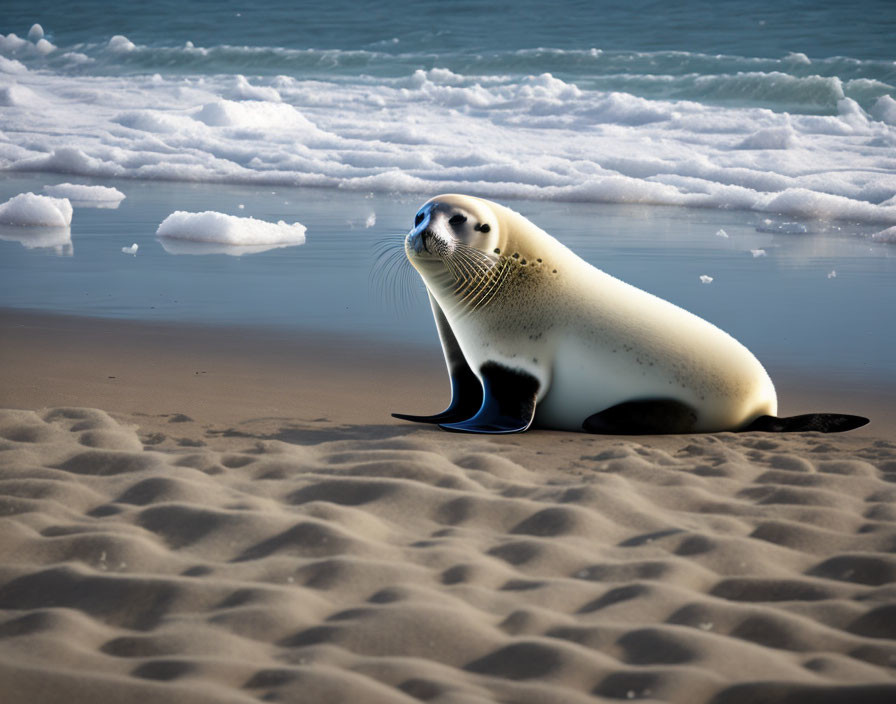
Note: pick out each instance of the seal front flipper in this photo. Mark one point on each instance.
(466, 391)
(818, 422)
(508, 404)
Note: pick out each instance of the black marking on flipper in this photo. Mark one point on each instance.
(466, 391)
(818, 422)
(645, 417)
(508, 404)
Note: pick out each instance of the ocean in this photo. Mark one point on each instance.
(634, 132)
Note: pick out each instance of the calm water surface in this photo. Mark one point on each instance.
(818, 301)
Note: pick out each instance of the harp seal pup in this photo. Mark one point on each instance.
(533, 334)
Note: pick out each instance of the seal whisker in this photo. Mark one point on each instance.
(391, 275)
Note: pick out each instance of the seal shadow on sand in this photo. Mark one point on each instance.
(305, 434)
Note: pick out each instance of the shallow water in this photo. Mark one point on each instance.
(786, 306)
(775, 107)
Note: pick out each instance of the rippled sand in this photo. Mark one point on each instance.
(427, 566)
(182, 545)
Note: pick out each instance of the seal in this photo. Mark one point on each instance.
(533, 334)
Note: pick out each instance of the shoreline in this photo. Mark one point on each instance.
(227, 374)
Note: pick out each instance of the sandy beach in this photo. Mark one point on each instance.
(231, 515)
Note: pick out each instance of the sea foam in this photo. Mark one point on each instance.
(500, 135)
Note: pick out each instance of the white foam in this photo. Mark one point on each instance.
(255, 114)
(219, 228)
(17, 96)
(888, 235)
(370, 221)
(797, 57)
(30, 210)
(85, 194)
(12, 43)
(11, 66)
(758, 253)
(243, 90)
(500, 137)
(704, 279)
(722, 233)
(44, 47)
(884, 109)
(121, 43)
(770, 138)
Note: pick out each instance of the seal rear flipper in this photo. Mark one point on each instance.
(818, 422)
(466, 391)
(508, 404)
(645, 417)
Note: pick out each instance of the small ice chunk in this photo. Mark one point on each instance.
(85, 194)
(131, 250)
(121, 43)
(35, 33)
(210, 226)
(704, 279)
(758, 253)
(832, 274)
(30, 210)
(241, 206)
(722, 233)
(370, 221)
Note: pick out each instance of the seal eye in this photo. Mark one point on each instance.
(418, 219)
(457, 220)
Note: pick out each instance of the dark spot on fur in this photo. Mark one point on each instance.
(555, 271)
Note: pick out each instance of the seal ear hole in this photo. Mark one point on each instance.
(483, 228)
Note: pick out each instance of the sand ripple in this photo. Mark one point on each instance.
(441, 568)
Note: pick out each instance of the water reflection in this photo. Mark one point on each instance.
(59, 239)
(99, 204)
(175, 246)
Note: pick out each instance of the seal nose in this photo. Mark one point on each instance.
(418, 240)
